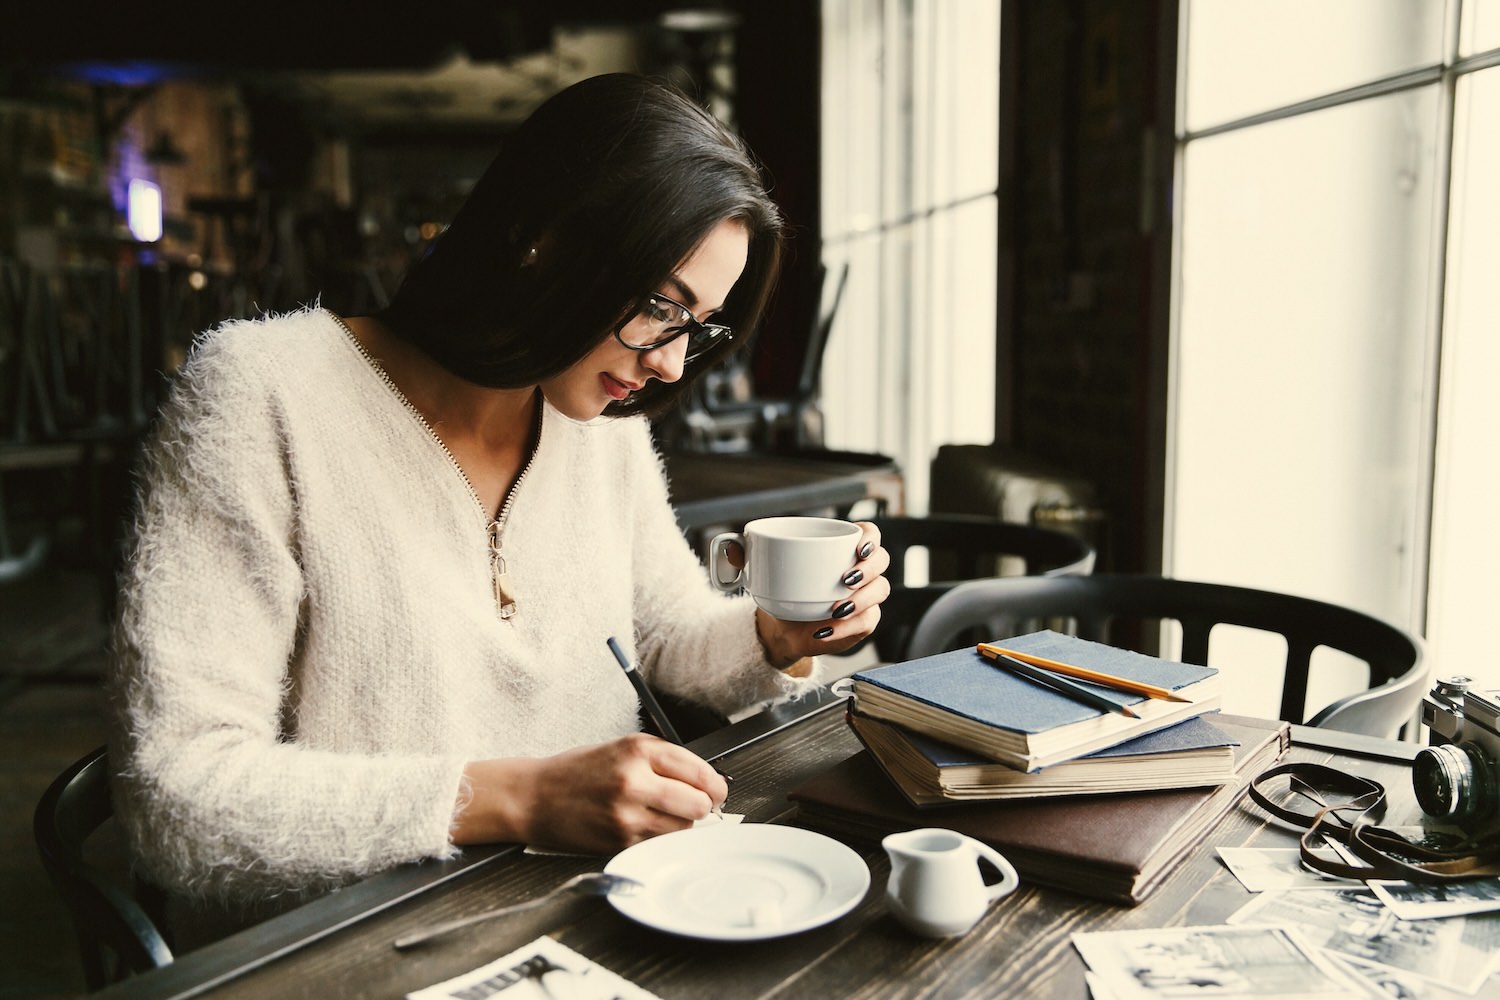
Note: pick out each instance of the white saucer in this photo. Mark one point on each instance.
(740, 883)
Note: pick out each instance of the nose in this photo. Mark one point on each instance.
(667, 361)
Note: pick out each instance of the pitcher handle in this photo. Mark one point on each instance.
(1009, 880)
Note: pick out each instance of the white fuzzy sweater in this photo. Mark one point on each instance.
(308, 648)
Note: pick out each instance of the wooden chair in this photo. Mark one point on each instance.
(962, 547)
(1096, 605)
(116, 937)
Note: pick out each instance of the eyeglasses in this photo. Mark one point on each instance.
(659, 320)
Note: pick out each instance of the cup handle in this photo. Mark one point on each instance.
(1009, 881)
(718, 555)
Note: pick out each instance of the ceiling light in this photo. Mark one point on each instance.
(699, 19)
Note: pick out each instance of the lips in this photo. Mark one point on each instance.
(614, 387)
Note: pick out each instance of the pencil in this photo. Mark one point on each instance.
(1084, 673)
(1059, 684)
(652, 706)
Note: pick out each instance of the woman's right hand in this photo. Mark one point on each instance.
(597, 799)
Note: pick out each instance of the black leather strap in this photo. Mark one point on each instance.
(1348, 807)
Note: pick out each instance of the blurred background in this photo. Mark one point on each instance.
(1196, 281)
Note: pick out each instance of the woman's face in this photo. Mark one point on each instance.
(612, 371)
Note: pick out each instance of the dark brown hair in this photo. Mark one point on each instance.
(616, 180)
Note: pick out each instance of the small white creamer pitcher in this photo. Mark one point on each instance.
(935, 887)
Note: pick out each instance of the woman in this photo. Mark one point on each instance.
(376, 560)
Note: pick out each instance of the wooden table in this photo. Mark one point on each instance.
(340, 946)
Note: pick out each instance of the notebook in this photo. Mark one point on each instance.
(930, 773)
(1111, 847)
(965, 700)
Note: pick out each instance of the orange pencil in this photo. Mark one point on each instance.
(1084, 673)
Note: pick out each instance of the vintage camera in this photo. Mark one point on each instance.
(1457, 778)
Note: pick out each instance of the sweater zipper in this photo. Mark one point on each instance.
(505, 598)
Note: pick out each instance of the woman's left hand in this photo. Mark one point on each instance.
(851, 620)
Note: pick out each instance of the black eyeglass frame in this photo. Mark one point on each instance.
(717, 333)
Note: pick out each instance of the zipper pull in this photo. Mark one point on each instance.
(505, 598)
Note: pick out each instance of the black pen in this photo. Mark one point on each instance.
(1059, 684)
(652, 706)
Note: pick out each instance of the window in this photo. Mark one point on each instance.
(911, 92)
(1465, 531)
(1333, 407)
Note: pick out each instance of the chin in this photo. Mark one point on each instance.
(582, 410)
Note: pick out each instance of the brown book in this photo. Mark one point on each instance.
(1112, 847)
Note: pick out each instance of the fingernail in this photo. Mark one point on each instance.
(823, 632)
(844, 610)
(853, 576)
(866, 549)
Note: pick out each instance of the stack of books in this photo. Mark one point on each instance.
(932, 773)
(1097, 786)
(995, 706)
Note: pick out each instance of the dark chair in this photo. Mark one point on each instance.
(963, 547)
(1096, 605)
(115, 935)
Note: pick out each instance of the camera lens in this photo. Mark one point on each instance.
(1453, 781)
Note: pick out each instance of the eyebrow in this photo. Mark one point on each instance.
(689, 297)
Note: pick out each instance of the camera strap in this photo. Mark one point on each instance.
(1348, 808)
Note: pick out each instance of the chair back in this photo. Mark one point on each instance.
(962, 547)
(752, 404)
(810, 377)
(1092, 606)
(115, 935)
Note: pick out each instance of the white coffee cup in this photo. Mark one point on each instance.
(794, 566)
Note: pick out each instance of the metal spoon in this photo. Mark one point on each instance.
(586, 884)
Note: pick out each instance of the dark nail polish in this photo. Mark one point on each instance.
(853, 576)
(866, 549)
(823, 632)
(844, 610)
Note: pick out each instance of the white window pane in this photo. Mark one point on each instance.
(956, 337)
(958, 136)
(1244, 58)
(851, 112)
(1466, 536)
(896, 111)
(1303, 311)
(911, 161)
(852, 368)
(1481, 27)
(867, 388)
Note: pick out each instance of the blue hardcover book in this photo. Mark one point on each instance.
(963, 699)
